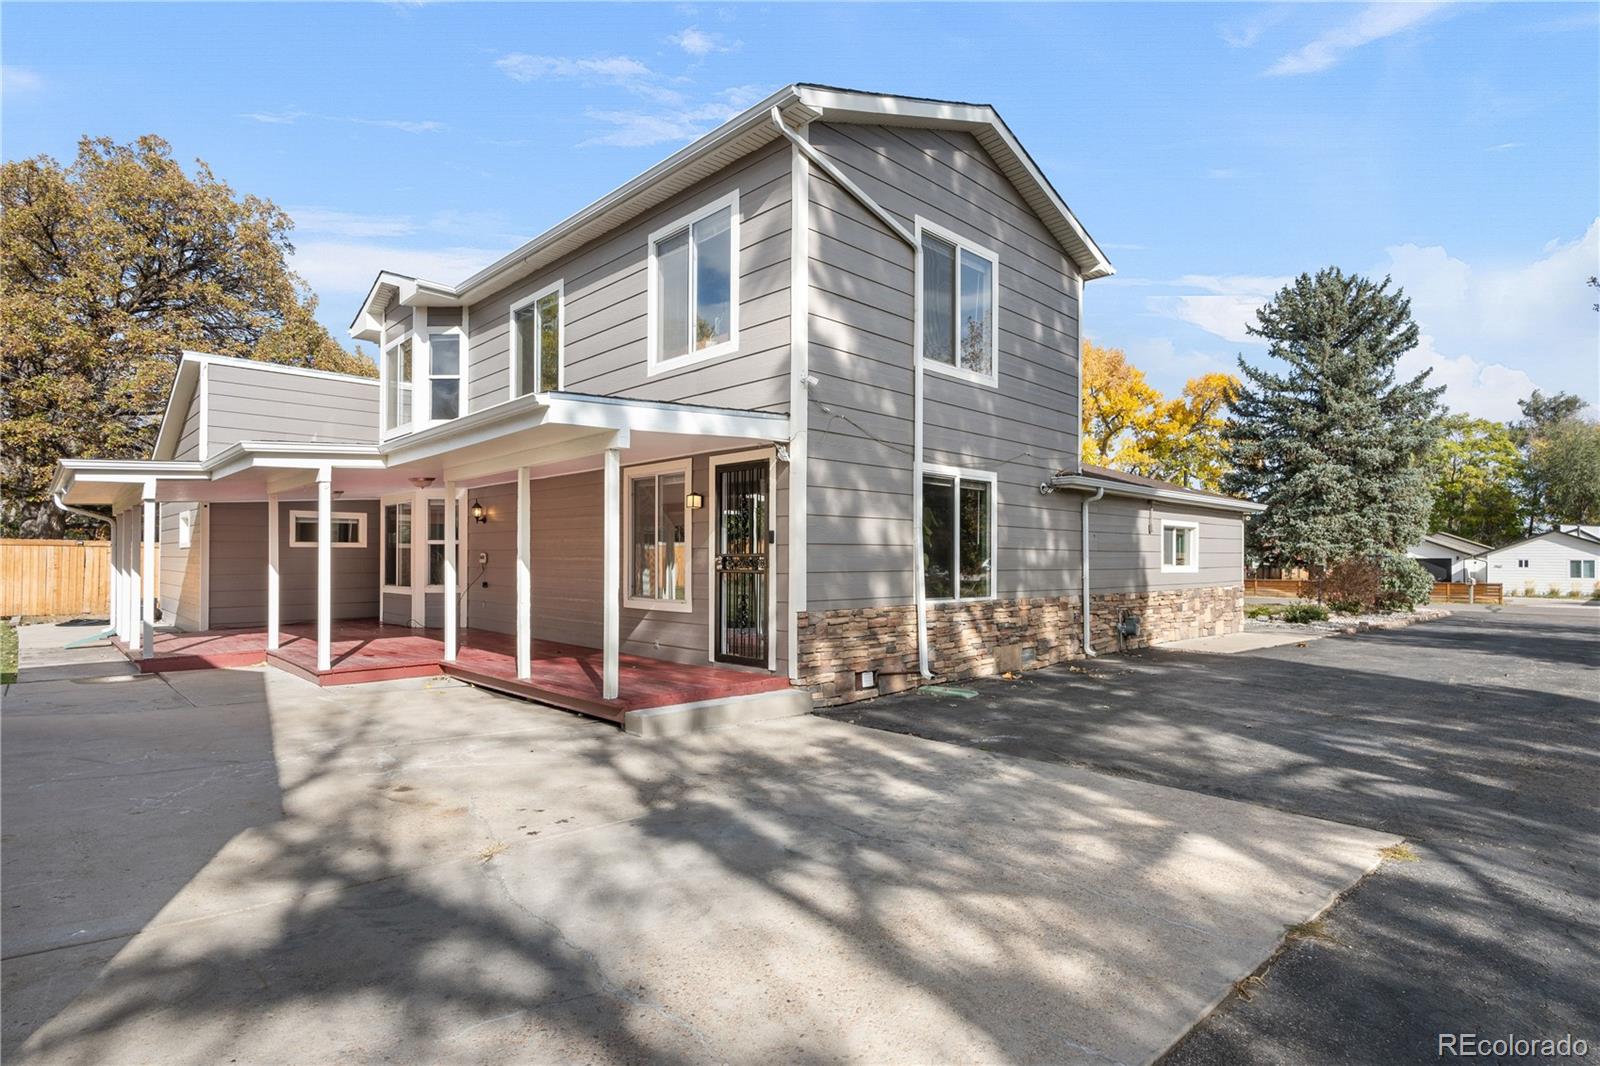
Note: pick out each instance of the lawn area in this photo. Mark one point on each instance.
(8, 653)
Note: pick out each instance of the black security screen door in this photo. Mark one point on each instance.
(741, 555)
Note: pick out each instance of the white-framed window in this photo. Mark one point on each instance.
(958, 550)
(1522, 564)
(446, 361)
(1180, 547)
(397, 546)
(1582, 568)
(660, 541)
(958, 301)
(693, 287)
(397, 384)
(348, 529)
(435, 533)
(186, 527)
(536, 342)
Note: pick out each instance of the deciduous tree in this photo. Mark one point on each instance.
(109, 268)
(1118, 406)
(1335, 444)
(1476, 468)
(1565, 462)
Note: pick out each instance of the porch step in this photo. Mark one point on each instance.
(566, 701)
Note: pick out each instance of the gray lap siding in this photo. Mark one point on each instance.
(238, 541)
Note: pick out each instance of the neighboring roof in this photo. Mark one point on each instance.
(1457, 544)
(1123, 483)
(1592, 532)
(751, 129)
(186, 382)
(1582, 538)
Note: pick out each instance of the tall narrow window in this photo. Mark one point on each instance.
(436, 542)
(397, 384)
(958, 298)
(537, 333)
(397, 545)
(444, 375)
(695, 286)
(658, 538)
(957, 536)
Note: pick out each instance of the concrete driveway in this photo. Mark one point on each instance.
(1476, 737)
(237, 866)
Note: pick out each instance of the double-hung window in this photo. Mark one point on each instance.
(659, 545)
(1582, 568)
(397, 384)
(958, 509)
(959, 294)
(397, 545)
(1180, 547)
(536, 343)
(694, 287)
(444, 375)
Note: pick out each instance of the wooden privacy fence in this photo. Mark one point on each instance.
(55, 578)
(1443, 591)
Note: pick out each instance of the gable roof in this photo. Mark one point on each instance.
(1457, 543)
(753, 128)
(1591, 543)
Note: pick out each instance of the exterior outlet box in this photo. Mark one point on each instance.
(483, 558)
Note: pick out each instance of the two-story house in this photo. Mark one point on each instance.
(794, 413)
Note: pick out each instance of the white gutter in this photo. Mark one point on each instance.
(1088, 643)
(1110, 486)
(55, 498)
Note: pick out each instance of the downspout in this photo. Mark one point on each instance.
(1088, 644)
(893, 225)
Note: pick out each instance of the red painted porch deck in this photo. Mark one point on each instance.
(564, 675)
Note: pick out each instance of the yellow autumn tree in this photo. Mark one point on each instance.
(1129, 425)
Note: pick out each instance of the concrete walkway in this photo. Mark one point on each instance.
(1233, 643)
(238, 866)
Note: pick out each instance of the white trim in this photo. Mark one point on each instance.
(1193, 565)
(203, 437)
(452, 585)
(685, 466)
(385, 430)
(799, 392)
(958, 475)
(205, 566)
(611, 574)
(324, 569)
(384, 503)
(514, 371)
(359, 516)
(654, 362)
(460, 375)
(961, 244)
(1185, 497)
(147, 573)
(750, 455)
(274, 576)
(1077, 373)
(524, 536)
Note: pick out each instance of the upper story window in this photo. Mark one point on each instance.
(397, 384)
(444, 375)
(694, 287)
(536, 342)
(957, 534)
(1180, 547)
(958, 297)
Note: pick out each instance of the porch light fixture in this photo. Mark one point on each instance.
(694, 501)
(422, 482)
(478, 513)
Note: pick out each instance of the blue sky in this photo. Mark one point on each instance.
(1213, 150)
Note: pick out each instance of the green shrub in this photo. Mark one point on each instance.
(1347, 607)
(1264, 610)
(1305, 612)
(1406, 583)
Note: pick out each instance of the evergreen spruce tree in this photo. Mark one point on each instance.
(1335, 445)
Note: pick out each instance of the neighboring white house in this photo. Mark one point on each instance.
(1450, 558)
(1556, 561)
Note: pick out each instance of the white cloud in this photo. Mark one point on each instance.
(289, 118)
(1373, 23)
(698, 42)
(520, 66)
(332, 223)
(335, 268)
(1506, 147)
(1226, 305)
(632, 128)
(19, 80)
(275, 118)
(403, 124)
(1488, 390)
(1246, 33)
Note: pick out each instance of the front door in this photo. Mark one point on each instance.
(741, 542)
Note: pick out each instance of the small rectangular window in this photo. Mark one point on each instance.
(348, 529)
(186, 528)
(444, 376)
(397, 545)
(1180, 547)
(957, 536)
(658, 538)
(1522, 564)
(537, 337)
(397, 384)
(957, 310)
(694, 284)
(1582, 568)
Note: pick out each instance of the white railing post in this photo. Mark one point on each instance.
(611, 570)
(324, 569)
(524, 575)
(452, 590)
(147, 573)
(274, 582)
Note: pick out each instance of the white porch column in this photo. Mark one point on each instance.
(114, 619)
(524, 575)
(325, 569)
(147, 574)
(611, 569)
(274, 583)
(452, 590)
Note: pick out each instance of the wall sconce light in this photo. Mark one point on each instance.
(478, 513)
(694, 501)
